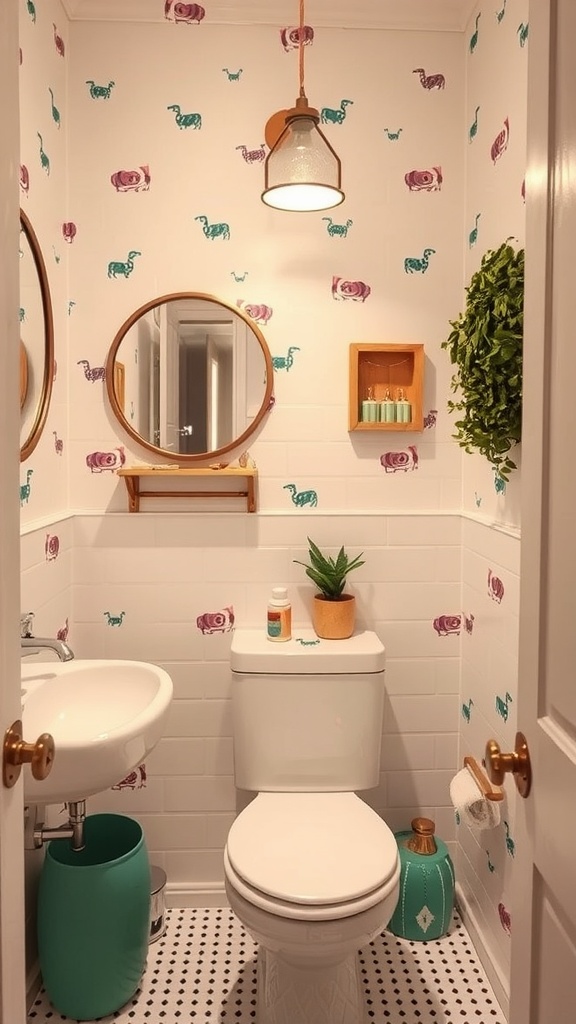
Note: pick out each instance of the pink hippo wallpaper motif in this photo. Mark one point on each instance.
(216, 622)
(445, 625)
(187, 14)
(357, 291)
(405, 461)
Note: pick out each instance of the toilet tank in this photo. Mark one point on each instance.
(307, 713)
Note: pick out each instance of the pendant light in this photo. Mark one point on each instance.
(302, 172)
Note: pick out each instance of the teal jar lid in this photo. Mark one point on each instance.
(426, 901)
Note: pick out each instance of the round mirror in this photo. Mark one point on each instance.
(189, 376)
(36, 340)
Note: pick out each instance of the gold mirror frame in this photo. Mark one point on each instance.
(31, 441)
(114, 377)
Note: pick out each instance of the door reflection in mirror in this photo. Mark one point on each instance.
(197, 375)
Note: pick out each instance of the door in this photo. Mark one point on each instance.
(169, 378)
(12, 970)
(543, 973)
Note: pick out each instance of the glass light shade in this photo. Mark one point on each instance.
(302, 172)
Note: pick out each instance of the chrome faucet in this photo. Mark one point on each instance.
(32, 645)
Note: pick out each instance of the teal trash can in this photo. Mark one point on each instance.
(93, 918)
(426, 901)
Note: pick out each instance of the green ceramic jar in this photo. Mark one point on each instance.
(426, 901)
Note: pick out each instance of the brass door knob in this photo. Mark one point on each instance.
(39, 755)
(517, 762)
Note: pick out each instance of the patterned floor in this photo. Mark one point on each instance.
(203, 971)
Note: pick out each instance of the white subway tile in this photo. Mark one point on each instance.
(428, 530)
(211, 793)
(421, 714)
(176, 756)
(428, 787)
(407, 752)
(218, 755)
(199, 718)
(446, 752)
(174, 832)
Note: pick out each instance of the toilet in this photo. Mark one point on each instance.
(311, 871)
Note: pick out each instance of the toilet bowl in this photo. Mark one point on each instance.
(310, 869)
(313, 877)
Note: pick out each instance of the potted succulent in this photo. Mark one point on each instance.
(333, 612)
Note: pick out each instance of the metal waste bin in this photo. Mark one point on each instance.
(94, 918)
(157, 903)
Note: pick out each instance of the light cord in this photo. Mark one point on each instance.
(301, 49)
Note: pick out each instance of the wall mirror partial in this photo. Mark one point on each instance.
(189, 376)
(36, 340)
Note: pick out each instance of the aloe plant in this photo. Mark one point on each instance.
(327, 573)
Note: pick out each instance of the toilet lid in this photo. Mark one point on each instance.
(315, 848)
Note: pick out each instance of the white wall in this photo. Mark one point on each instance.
(496, 77)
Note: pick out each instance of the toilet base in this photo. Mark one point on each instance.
(292, 994)
(308, 970)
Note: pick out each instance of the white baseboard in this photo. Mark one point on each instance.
(191, 894)
(33, 984)
(500, 984)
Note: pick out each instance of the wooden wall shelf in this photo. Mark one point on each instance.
(381, 367)
(133, 475)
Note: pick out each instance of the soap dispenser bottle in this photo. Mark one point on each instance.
(403, 407)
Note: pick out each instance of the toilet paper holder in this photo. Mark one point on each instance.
(488, 791)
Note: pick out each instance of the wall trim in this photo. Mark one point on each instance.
(375, 513)
(182, 895)
(500, 984)
(44, 521)
(492, 524)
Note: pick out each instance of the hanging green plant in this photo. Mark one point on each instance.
(486, 346)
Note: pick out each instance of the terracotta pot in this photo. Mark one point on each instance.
(334, 620)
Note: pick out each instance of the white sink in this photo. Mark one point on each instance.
(105, 717)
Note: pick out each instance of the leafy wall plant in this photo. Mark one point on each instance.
(486, 346)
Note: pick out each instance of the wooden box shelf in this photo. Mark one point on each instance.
(132, 476)
(381, 367)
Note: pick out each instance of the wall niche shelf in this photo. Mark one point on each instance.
(132, 478)
(374, 369)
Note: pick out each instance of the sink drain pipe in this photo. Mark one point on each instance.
(37, 833)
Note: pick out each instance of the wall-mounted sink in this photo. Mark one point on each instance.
(105, 717)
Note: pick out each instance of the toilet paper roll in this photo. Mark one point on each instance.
(470, 804)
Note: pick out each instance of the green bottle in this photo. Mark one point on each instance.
(426, 902)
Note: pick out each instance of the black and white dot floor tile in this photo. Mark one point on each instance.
(203, 971)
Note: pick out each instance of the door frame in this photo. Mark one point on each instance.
(544, 91)
(12, 903)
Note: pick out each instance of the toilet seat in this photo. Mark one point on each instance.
(311, 855)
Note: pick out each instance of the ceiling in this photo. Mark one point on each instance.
(431, 15)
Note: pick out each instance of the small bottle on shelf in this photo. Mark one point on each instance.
(387, 408)
(403, 407)
(279, 616)
(370, 408)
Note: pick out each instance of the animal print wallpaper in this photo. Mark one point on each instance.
(496, 75)
(166, 171)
